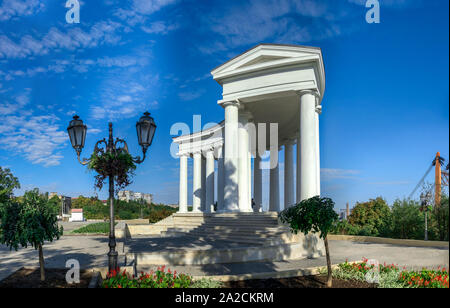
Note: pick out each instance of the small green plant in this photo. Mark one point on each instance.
(158, 279)
(30, 222)
(118, 164)
(313, 215)
(206, 283)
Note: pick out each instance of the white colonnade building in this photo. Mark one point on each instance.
(272, 97)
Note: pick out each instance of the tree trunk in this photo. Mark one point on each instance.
(327, 251)
(41, 262)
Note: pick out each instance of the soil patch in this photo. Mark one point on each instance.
(315, 281)
(54, 278)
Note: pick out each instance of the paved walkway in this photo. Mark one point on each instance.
(91, 251)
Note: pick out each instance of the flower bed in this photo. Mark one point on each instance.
(426, 278)
(390, 276)
(158, 279)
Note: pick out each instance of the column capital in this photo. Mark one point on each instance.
(319, 109)
(314, 92)
(229, 103)
(183, 155)
(208, 150)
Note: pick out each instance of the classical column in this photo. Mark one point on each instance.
(244, 204)
(257, 183)
(249, 164)
(288, 175)
(274, 198)
(183, 208)
(209, 181)
(197, 183)
(231, 195)
(220, 179)
(203, 196)
(298, 174)
(316, 115)
(307, 145)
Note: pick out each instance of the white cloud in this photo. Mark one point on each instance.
(121, 98)
(101, 33)
(17, 8)
(79, 65)
(190, 95)
(159, 27)
(138, 11)
(332, 174)
(37, 138)
(280, 21)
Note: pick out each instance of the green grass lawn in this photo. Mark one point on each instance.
(100, 227)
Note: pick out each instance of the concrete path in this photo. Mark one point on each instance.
(91, 251)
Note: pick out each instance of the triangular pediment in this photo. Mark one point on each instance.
(261, 59)
(265, 54)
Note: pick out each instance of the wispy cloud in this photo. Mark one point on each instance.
(122, 98)
(190, 95)
(159, 27)
(332, 174)
(389, 183)
(101, 33)
(137, 12)
(17, 8)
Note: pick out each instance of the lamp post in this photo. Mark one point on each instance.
(424, 198)
(145, 129)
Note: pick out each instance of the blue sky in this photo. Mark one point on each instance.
(385, 111)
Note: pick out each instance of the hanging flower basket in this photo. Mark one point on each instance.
(118, 164)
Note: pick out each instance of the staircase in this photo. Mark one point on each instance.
(253, 229)
(209, 239)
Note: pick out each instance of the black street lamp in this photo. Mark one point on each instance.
(77, 133)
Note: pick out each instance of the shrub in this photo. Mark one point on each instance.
(158, 279)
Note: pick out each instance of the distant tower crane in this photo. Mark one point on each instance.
(441, 178)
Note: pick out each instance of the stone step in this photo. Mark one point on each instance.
(272, 234)
(242, 223)
(236, 229)
(256, 242)
(215, 256)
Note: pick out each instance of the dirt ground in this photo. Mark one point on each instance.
(297, 282)
(55, 278)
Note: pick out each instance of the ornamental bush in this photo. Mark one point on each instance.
(158, 279)
(314, 215)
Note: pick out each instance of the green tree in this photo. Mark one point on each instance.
(440, 219)
(408, 222)
(370, 216)
(55, 204)
(313, 215)
(8, 182)
(31, 222)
